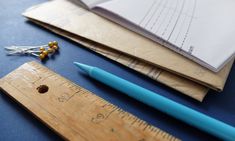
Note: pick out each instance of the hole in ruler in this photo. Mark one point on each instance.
(42, 89)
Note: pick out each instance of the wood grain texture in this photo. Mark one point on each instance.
(72, 111)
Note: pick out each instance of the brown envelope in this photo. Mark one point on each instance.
(73, 19)
(181, 84)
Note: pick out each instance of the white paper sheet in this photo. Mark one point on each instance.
(202, 30)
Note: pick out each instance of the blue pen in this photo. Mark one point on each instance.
(179, 111)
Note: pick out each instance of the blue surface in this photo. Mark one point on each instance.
(161, 103)
(18, 124)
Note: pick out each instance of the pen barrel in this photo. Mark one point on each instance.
(179, 111)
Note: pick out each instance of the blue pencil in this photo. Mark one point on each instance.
(176, 110)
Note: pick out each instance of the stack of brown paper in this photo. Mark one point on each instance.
(176, 82)
(128, 48)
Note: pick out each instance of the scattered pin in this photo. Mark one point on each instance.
(41, 51)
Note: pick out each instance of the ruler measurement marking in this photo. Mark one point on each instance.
(55, 117)
(100, 107)
(111, 112)
(145, 127)
(141, 122)
(134, 121)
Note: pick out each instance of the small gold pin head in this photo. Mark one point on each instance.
(45, 52)
(50, 44)
(55, 47)
(41, 49)
(42, 56)
(51, 50)
(55, 43)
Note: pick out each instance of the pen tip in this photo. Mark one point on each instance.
(83, 67)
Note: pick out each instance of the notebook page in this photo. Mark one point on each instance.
(199, 29)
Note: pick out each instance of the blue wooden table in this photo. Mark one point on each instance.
(18, 124)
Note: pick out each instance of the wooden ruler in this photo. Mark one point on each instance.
(72, 111)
